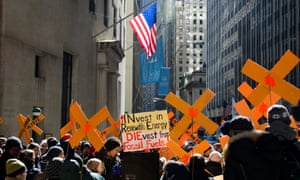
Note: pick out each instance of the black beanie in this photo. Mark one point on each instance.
(111, 143)
(13, 141)
(53, 152)
(278, 112)
(237, 124)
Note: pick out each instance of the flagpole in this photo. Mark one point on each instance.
(122, 19)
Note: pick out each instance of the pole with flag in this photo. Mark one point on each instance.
(144, 27)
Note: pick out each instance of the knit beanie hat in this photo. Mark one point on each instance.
(53, 151)
(278, 112)
(52, 141)
(111, 143)
(13, 141)
(236, 125)
(14, 167)
(279, 123)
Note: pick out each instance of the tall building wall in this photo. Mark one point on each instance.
(190, 38)
(49, 58)
(238, 30)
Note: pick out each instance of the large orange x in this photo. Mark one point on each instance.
(185, 156)
(191, 113)
(258, 111)
(88, 127)
(273, 80)
(26, 124)
(112, 129)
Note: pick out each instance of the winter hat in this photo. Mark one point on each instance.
(278, 112)
(13, 141)
(111, 143)
(279, 121)
(236, 125)
(53, 151)
(14, 167)
(52, 141)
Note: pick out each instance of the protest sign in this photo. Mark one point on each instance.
(148, 130)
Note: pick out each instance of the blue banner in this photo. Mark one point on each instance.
(164, 80)
(150, 68)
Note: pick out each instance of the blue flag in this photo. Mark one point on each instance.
(150, 68)
(163, 85)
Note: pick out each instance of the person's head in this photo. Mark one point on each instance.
(112, 146)
(85, 148)
(175, 170)
(35, 147)
(52, 141)
(218, 147)
(95, 165)
(54, 151)
(215, 156)
(278, 114)
(13, 146)
(27, 155)
(197, 166)
(197, 161)
(2, 141)
(237, 125)
(16, 169)
(44, 146)
(279, 123)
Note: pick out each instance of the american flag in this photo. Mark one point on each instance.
(144, 27)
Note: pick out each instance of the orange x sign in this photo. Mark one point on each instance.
(191, 113)
(26, 124)
(185, 156)
(258, 111)
(273, 80)
(88, 127)
(1, 120)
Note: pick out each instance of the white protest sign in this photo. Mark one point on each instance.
(148, 130)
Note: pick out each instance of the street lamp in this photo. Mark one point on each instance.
(159, 103)
(36, 112)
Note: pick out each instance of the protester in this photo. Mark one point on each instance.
(37, 152)
(93, 169)
(27, 156)
(214, 164)
(85, 151)
(109, 155)
(73, 163)
(52, 171)
(13, 147)
(95, 165)
(175, 170)
(279, 125)
(197, 167)
(250, 154)
(44, 146)
(15, 170)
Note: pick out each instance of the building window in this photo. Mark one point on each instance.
(39, 68)
(115, 22)
(92, 6)
(105, 12)
(66, 87)
(180, 68)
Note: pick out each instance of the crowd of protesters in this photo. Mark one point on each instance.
(272, 154)
(54, 159)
